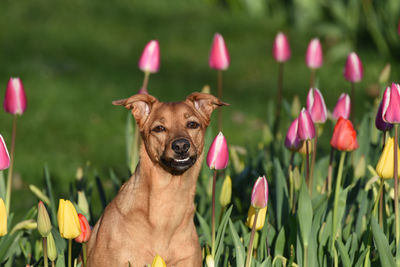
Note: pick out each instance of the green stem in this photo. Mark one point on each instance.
(308, 162)
(219, 73)
(45, 258)
(353, 111)
(84, 254)
(336, 200)
(312, 78)
(329, 182)
(291, 185)
(10, 170)
(314, 152)
(251, 241)
(213, 214)
(145, 80)
(69, 252)
(396, 188)
(279, 99)
(378, 197)
(305, 255)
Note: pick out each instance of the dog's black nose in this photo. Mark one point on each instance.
(180, 146)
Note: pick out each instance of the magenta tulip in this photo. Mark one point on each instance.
(306, 129)
(150, 59)
(15, 99)
(316, 106)
(314, 54)
(391, 104)
(353, 70)
(292, 141)
(4, 156)
(219, 56)
(259, 195)
(218, 155)
(380, 124)
(342, 108)
(281, 50)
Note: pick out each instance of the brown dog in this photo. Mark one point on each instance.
(153, 211)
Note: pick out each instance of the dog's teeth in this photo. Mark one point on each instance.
(182, 160)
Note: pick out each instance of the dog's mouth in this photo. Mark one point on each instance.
(179, 164)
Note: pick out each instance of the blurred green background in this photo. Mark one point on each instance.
(74, 57)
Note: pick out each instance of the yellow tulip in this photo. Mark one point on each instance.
(260, 218)
(158, 262)
(385, 166)
(226, 192)
(3, 218)
(68, 221)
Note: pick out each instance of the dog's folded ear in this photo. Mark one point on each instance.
(205, 104)
(140, 104)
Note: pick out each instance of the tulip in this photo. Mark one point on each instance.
(226, 192)
(150, 59)
(83, 204)
(380, 123)
(85, 230)
(385, 166)
(306, 129)
(344, 136)
(260, 218)
(3, 218)
(391, 103)
(51, 248)
(292, 141)
(316, 106)
(15, 98)
(158, 262)
(219, 56)
(259, 195)
(218, 154)
(68, 220)
(43, 220)
(4, 156)
(210, 261)
(281, 50)
(342, 108)
(353, 70)
(314, 54)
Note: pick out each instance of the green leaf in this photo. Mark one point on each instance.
(53, 206)
(382, 245)
(305, 213)
(280, 243)
(205, 228)
(344, 256)
(2, 186)
(219, 240)
(281, 193)
(239, 248)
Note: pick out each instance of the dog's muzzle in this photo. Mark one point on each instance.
(182, 160)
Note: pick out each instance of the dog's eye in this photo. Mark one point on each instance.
(192, 125)
(159, 129)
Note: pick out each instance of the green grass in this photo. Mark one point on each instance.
(75, 57)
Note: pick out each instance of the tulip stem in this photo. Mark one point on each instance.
(45, 259)
(213, 214)
(378, 197)
(314, 152)
(69, 252)
(52, 264)
(84, 253)
(381, 203)
(396, 188)
(251, 241)
(10, 170)
(219, 81)
(279, 98)
(307, 163)
(312, 78)
(330, 171)
(291, 186)
(145, 80)
(336, 201)
(352, 101)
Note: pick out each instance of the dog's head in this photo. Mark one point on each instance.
(173, 133)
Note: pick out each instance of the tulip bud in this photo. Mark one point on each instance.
(292, 141)
(219, 56)
(150, 59)
(68, 221)
(51, 247)
(391, 103)
(342, 108)
(281, 50)
(218, 155)
(306, 129)
(353, 70)
(344, 136)
(4, 156)
(158, 262)
(259, 195)
(314, 54)
(15, 99)
(83, 204)
(262, 213)
(385, 74)
(226, 192)
(210, 261)
(380, 123)
(316, 106)
(86, 231)
(385, 166)
(3, 218)
(43, 220)
(206, 89)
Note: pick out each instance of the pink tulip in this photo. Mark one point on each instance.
(306, 129)
(4, 156)
(292, 141)
(314, 54)
(219, 56)
(259, 195)
(353, 71)
(316, 106)
(15, 99)
(281, 50)
(150, 59)
(342, 108)
(380, 124)
(391, 104)
(218, 155)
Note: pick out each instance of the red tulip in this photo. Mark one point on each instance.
(344, 136)
(15, 99)
(86, 231)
